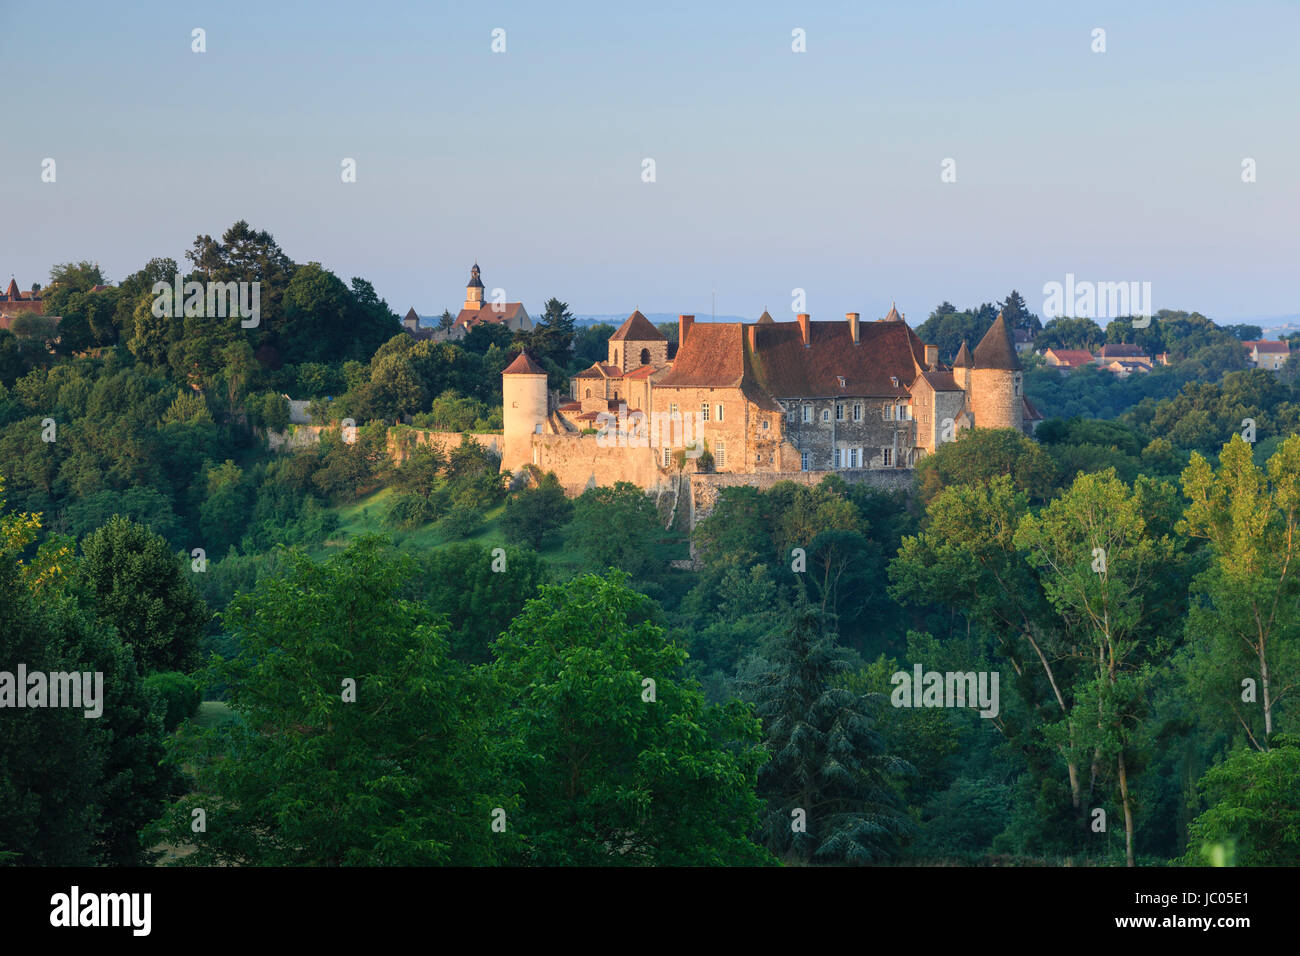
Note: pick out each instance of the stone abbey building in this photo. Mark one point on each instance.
(763, 398)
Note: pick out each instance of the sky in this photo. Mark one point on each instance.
(774, 170)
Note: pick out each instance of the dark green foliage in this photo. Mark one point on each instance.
(1253, 813)
(397, 776)
(828, 769)
(176, 697)
(478, 590)
(609, 773)
(144, 590)
(533, 514)
(617, 527)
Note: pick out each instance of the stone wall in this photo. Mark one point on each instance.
(581, 462)
(304, 436)
(704, 488)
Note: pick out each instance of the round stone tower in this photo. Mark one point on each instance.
(523, 413)
(996, 381)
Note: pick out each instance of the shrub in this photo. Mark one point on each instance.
(175, 696)
(460, 523)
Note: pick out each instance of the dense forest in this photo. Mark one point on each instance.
(332, 656)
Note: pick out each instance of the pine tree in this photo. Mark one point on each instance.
(827, 783)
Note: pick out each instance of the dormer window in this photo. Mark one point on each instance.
(894, 380)
(841, 379)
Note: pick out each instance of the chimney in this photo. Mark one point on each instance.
(804, 318)
(932, 356)
(684, 323)
(853, 318)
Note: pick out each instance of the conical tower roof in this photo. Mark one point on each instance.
(995, 350)
(963, 359)
(524, 365)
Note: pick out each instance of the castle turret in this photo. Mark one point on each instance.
(995, 394)
(961, 367)
(523, 388)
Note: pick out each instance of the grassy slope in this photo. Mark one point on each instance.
(367, 517)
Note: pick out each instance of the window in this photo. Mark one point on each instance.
(807, 416)
(589, 393)
(888, 457)
(668, 457)
(789, 413)
(857, 411)
(704, 412)
(839, 412)
(826, 414)
(903, 413)
(841, 380)
(719, 411)
(672, 408)
(765, 424)
(1017, 384)
(837, 458)
(888, 411)
(615, 356)
(805, 461)
(855, 458)
(645, 356)
(720, 455)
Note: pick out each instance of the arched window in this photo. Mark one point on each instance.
(645, 356)
(615, 356)
(589, 393)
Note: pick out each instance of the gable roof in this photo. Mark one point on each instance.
(637, 328)
(995, 350)
(887, 351)
(712, 356)
(489, 313)
(1073, 356)
(1261, 345)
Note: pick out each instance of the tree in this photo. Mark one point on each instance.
(981, 454)
(1017, 315)
(137, 585)
(1246, 619)
(1253, 817)
(827, 784)
(360, 742)
(478, 591)
(619, 762)
(72, 790)
(1098, 559)
(533, 513)
(617, 527)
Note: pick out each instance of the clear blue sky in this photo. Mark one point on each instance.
(775, 170)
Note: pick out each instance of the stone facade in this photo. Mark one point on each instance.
(764, 398)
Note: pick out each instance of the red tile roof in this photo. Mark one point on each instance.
(637, 328)
(1073, 357)
(1276, 348)
(887, 351)
(472, 317)
(523, 365)
(713, 355)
